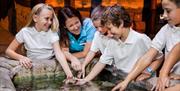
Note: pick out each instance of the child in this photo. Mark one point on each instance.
(40, 39)
(100, 38)
(167, 37)
(126, 46)
(76, 35)
(165, 74)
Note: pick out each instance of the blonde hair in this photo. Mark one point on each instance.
(36, 10)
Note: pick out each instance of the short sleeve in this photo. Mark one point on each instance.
(107, 56)
(147, 42)
(20, 35)
(54, 37)
(94, 45)
(160, 39)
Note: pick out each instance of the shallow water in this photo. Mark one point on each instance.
(59, 86)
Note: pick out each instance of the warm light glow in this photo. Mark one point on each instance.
(134, 4)
(82, 3)
(55, 3)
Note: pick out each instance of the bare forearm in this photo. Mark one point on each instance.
(13, 54)
(142, 63)
(89, 57)
(156, 64)
(69, 56)
(95, 71)
(64, 64)
(62, 59)
(11, 50)
(171, 60)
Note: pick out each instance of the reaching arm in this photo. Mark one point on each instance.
(150, 70)
(62, 60)
(89, 57)
(83, 53)
(87, 60)
(10, 51)
(24, 61)
(141, 64)
(75, 62)
(94, 72)
(171, 60)
(156, 64)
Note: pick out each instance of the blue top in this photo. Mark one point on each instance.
(86, 35)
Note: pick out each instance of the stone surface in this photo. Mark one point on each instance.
(39, 76)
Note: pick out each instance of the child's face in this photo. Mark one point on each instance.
(171, 12)
(73, 25)
(43, 20)
(99, 27)
(117, 32)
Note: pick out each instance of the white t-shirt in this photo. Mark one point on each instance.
(99, 42)
(39, 45)
(123, 55)
(167, 38)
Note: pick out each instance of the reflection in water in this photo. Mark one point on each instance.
(91, 86)
(58, 86)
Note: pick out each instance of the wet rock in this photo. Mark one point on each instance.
(41, 75)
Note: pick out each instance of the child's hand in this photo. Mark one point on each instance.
(143, 76)
(162, 83)
(70, 80)
(121, 86)
(82, 72)
(76, 64)
(26, 62)
(81, 81)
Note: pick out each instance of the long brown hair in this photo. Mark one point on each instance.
(63, 14)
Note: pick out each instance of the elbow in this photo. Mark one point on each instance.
(7, 51)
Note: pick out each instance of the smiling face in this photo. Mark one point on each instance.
(99, 27)
(43, 20)
(117, 32)
(73, 25)
(171, 12)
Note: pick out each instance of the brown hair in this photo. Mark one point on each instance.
(116, 15)
(97, 12)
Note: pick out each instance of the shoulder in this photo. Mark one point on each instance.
(53, 33)
(25, 30)
(140, 40)
(97, 36)
(97, 33)
(165, 29)
(139, 35)
(87, 21)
